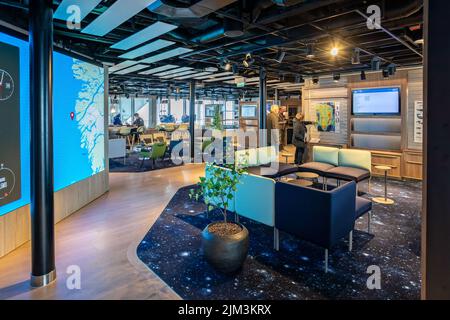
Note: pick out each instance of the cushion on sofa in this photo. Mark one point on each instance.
(356, 159)
(362, 206)
(348, 174)
(317, 167)
(326, 155)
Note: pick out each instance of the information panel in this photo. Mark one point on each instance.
(10, 173)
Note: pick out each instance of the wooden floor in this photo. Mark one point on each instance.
(101, 239)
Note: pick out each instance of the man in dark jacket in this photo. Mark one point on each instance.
(298, 137)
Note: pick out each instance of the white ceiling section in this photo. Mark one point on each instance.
(118, 13)
(194, 75)
(148, 48)
(155, 30)
(166, 55)
(122, 65)
(215, 75)
(132, 69)
(159, 69)
(62, 13)
(179, 74)
(173, 71)
(220, 79)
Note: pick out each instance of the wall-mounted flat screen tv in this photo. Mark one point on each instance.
(248, 111)
(377, 101)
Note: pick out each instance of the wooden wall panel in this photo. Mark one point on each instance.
(15, 227)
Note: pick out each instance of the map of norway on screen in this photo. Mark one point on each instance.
(78, 100)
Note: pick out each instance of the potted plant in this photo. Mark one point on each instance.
(224, 243)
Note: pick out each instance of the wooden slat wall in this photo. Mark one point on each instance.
(15, 226)
(415, 92)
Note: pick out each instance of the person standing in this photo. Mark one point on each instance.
(299, 137)
(273, 125)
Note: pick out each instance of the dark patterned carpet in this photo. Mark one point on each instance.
(172, 250)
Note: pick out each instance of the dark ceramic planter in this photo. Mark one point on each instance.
(225, 253)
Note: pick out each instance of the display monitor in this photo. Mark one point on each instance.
(249, 111)
(377, 101)
(78, 121)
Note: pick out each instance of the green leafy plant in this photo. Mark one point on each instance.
(217, 119)
(218, 187)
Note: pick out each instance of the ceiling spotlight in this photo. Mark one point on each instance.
(225, 65)
(363, 75)
(280, 56)
(356, 56)
(336, 77)
(392, 69)
(299, 79)
(310, 51)
(127, 95)
(235, 69)
(315, 80)
(334, 51)
(248, 61)
(385, 73)
(375, 63)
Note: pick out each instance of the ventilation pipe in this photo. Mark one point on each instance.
(198, 10)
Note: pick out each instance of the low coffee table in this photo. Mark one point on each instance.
(384, 200)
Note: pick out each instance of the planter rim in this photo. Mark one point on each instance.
(232, 236)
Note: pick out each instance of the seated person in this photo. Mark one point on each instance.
(116, 120)
(137, 123)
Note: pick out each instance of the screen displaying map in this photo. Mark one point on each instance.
(78, 122)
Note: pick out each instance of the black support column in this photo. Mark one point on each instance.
(262, 106)
(192, 116)
(42, 219)
(436, 202)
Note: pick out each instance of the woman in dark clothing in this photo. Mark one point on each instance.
(298, 137)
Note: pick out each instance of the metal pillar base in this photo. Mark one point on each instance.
(42, 281)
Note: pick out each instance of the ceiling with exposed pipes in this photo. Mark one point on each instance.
(159, 46)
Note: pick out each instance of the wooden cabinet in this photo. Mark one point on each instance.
(391, 159)
(412, 164)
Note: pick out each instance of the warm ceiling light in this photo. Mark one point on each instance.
(334, 51)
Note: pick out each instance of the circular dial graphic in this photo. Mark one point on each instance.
(6, 85)
(7, 182)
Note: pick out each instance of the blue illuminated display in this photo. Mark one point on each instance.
(78, 121)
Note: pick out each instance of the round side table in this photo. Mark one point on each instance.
(384, 200)
(301, 182)
(307, 175)
(287, 156)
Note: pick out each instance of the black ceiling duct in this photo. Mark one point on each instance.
(233, 28)
(198, 10)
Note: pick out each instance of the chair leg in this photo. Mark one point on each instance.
(276, 239)
(326, 260)
(369, 218)
(324, 181)
(350, 241)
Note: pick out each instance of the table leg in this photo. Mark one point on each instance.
(385, 185)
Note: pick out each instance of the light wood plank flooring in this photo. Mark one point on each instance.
(101, 239)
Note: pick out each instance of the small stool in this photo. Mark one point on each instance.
(308, 176)
(384, 200)
(287, 156)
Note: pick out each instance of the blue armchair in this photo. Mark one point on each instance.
(320, 217)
